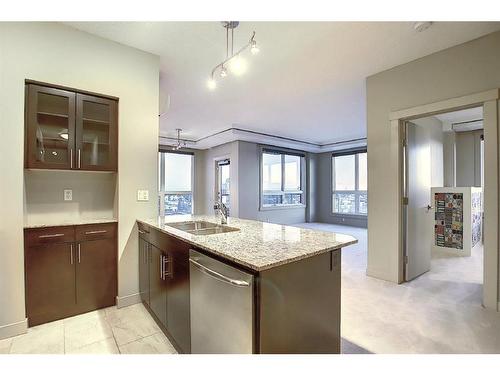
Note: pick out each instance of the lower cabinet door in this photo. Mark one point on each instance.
(144, 258)
(50, 282)
(157, 285)
(96, 274)
(178, 319)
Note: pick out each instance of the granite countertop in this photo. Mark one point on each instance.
(61, 223)
(257, 245)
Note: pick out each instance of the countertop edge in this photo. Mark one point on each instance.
(243, 263)
(69, 223)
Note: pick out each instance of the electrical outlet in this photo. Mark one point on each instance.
(68, 194)
(143, 195)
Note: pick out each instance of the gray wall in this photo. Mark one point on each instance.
(449, 159)
(245, 175)
(462, 70)
(248, 183)
(468, 158)
(323, 202)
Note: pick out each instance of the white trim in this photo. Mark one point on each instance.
(467, 101)
(129, 300)
(234, 134)
(13, 329)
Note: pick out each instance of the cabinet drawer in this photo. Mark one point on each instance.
(50, 235)
(95, 231)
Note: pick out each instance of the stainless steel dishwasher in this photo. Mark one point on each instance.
(221, 306)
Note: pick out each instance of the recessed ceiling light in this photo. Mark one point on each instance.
(422, 26)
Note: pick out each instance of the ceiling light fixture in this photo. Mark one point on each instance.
(180, 144)
(236, 64)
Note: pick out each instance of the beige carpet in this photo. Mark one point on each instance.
(439, 312)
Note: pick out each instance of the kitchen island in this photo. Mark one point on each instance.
(245, 287)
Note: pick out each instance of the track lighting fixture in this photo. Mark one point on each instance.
(236, 64)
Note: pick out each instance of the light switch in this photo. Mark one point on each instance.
(143, 195)
(68, 194)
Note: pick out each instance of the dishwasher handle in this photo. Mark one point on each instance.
(218, 276)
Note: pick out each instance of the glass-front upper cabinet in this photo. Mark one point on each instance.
(96, 133)
(70, 130)
(50, 128)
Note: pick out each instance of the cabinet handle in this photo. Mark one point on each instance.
(79, 158)
(79, 253)
(96, 232)
(161, 267)
(71, 254)
(71, 158)
(51, 235)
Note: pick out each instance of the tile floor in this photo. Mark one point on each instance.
(129, 330)
(438, 312)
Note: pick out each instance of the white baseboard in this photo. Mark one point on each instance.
(125, 301)
(14, 329)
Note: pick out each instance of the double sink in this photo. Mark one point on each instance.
(201, 227)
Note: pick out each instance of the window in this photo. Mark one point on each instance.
(175, 181)
(282, 179)
(223, 182)
(350, 183)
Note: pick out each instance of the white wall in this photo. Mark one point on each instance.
(93, 196)
(462, 70)
(58, 54)
(435, 140)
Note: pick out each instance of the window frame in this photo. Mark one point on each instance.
(161, 179)
(222, 161)
(281, 151)
(357, 193)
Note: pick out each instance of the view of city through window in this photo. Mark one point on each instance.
(281, 179)
(223, 182)
(349, 184)
(175, 183)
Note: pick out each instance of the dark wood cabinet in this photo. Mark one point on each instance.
(50, 128)
(50, 282)
(178, 309)
(96, 133)
(68, 129)
(96, 284)
(165, 260)
(69, 270)
(144, 260)
(157, 285)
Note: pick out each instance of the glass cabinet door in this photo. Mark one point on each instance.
(50, 127)
(96, 134)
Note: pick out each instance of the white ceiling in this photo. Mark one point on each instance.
(307, 82)
(469, 114)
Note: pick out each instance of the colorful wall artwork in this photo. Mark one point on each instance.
(449, 220)
(476, 217)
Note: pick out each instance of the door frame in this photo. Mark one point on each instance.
(489, 100)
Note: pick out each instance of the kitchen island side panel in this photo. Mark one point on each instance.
(300, 306)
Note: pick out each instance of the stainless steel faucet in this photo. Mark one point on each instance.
(223, 211)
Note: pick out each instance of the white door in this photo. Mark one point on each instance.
(419, 223)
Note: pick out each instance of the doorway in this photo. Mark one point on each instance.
(489, 101)
(443, 196)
